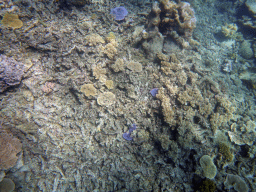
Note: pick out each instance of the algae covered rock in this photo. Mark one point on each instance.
(208, 167)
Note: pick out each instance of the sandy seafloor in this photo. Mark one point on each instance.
(73, 142)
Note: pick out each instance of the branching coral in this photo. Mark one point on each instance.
(169, 16)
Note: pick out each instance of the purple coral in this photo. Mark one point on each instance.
(127, 135)
(119, 13)
(11, 72)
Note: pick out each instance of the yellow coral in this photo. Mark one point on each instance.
(110, 49)
(94, 39)
(109, 84)
(11, 20)
(166, 107)
(99, 72)
(111, 37)
(134, 66)
(106, 99)
(229, 30)
(88, 90)
(118, 65)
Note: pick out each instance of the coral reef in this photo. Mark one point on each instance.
(109, 84)
(245, 50)
(224, 149)
(91, 80)
(110, 49)
(118, 65)
(207, 185)
(251, 5)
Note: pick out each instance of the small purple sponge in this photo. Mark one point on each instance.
(154, 92)
(127, 135)
(119, 12)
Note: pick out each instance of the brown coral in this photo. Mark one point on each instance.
(10, 147)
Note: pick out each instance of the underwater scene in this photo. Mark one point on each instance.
(127, 96)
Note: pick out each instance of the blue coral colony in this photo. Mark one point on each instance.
(127, 95)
